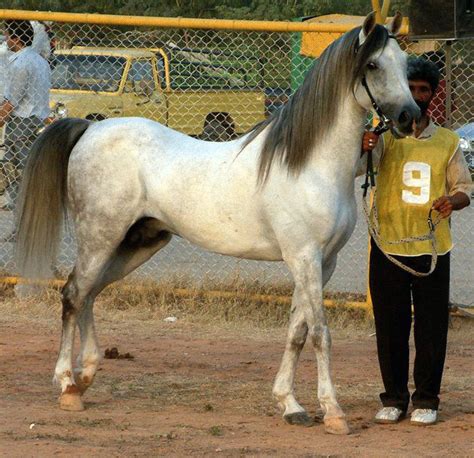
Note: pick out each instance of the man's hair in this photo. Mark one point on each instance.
(422, 69)
(22, 30)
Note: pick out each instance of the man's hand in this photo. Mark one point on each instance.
(446, 204)
(369, 141)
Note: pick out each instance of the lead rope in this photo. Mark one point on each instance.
(374, 231)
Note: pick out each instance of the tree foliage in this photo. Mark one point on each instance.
(227, 9)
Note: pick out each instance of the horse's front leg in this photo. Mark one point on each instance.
(283, 388)
(307, 272)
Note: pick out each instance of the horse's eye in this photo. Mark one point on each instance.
(371, 65)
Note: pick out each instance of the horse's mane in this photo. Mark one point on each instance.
(303, 122)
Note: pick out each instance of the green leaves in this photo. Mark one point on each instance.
(224, 9)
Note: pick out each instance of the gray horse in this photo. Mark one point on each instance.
(285, 191)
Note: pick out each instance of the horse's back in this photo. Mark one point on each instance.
(135, 136)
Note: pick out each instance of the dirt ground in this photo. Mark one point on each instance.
(198, 389)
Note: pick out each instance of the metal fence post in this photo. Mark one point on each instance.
(449, 80)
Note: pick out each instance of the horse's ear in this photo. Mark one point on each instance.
(367, 27)
(395, 25)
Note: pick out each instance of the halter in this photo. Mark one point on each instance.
(384, 120)
(381, 127)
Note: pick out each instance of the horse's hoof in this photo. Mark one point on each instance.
(70, 399)
(336, 425)
(298, 418)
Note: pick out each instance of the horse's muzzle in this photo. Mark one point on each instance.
(409, 115)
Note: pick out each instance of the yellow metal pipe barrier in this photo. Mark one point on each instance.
(384, 10)
(177, 23)
(376, 8)
(381, 12)
(184, 292)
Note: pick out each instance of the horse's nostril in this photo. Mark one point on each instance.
(404, 117)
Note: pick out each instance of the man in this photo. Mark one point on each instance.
(26, 101)
(415, 173)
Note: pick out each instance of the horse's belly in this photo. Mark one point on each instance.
(241, 248)
(231, 240)
(234, 230)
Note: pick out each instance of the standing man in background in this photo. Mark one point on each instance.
(26, 102)
(416, 173)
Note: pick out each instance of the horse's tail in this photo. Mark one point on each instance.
(42, 202)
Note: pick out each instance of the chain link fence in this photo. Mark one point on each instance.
(214, 85)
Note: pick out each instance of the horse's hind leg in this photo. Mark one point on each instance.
(74, 295)
(142, 241)
(77, 309)
(86, 281)
(89, 356)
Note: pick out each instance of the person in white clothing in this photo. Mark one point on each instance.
(26, 102)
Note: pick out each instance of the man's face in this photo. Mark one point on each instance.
(14, 43)
(422, 93)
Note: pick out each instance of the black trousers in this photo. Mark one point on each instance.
(392, 290)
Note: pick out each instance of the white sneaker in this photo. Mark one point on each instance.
(424, 417)
(389, 415)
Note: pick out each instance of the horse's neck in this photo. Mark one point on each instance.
(340, 152)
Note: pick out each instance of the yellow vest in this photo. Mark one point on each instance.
(411, 175)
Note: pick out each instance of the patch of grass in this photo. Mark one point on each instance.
(237, 301)
(94, 423)
(55, 437)
(165, 436)
(251, 304)
(114, 385)
(216, 431)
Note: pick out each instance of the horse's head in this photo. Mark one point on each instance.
(381, 79)
(366, 60)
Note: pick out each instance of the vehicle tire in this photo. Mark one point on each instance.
(218, 128)
(96, 117)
